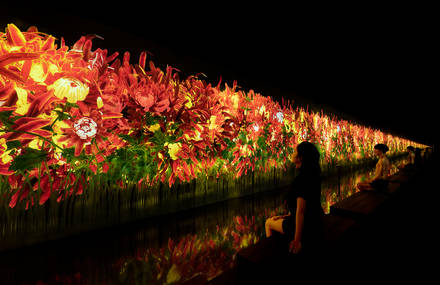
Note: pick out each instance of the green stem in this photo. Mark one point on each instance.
(34, 134)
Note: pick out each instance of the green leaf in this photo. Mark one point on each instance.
(150, 119)
(242, 136)
(47, 128)
(127, 138)
(13, 144)
(158, 138)
(261, 142)
(71, 105)
(29, 159)
(61, 115)
(5, 118)
(69, 153)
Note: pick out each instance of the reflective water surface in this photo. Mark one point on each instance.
(166, 250)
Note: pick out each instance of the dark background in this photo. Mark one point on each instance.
(372, 65)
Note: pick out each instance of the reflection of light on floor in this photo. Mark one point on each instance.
(207, 240)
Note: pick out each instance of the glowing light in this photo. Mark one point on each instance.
(197, 121)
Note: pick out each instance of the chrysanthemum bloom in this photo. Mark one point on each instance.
(72, 89)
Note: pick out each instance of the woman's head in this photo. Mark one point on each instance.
(380, 148)
(307, 156)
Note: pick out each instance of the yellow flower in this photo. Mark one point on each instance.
(35, 143)
(315, 121)
(70, 88)
(234, 99)
(211, 122)
(4, 156)
(37, 72)
(189, 103)
(160, 155)
(58, 133)
(153, 128)
(301, 116)
(22, 102)
(99, 102)
(262, 110)
(173, 149)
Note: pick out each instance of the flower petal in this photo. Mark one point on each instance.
(14, 36)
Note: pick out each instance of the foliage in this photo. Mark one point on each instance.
(67, 114)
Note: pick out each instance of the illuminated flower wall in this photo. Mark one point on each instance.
(67, 114)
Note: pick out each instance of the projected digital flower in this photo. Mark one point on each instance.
(81, 112)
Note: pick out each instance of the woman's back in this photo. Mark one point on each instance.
(307, 185)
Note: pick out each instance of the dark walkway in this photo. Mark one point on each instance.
(400, 244)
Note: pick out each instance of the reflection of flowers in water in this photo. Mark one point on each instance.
(191, 256)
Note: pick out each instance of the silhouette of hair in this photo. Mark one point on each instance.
(309, 155)
(382, 147)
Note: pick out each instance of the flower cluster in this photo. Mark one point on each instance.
(68, 113)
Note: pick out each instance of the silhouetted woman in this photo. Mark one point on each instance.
(303, 225)
(383, 168)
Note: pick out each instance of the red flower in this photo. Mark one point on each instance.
(87, 125)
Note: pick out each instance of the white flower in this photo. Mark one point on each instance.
(304, 136)
(280, 116)
(256, 127)
(85, 128)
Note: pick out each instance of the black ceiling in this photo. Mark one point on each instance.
(373, 67)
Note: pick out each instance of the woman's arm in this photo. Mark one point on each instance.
(295, 245)
(280, 217)
(377, 172)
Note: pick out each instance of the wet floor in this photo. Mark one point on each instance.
(169, 249)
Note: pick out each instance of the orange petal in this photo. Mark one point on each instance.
(142, 59)
(4, 169)
(17, 56)
(26, 69)
(48, 44)
(11, 75)
(14, 36)
(111, 115)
